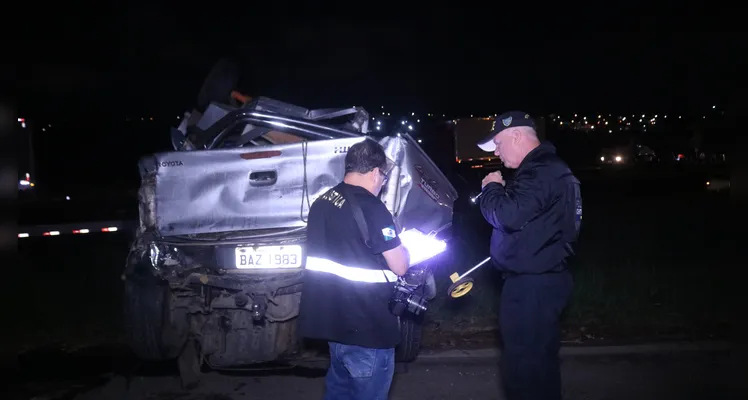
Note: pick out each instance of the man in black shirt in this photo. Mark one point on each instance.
(349, 280)
(535, 218)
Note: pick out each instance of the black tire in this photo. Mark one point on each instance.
(429, 289)
(219, 83)
(411, 333)
(144, 310)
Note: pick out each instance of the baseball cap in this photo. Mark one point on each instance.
(509, 119)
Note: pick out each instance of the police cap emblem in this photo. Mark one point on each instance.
(507, 121)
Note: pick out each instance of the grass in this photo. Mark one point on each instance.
(646, 268)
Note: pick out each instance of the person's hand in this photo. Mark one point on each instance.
(493, 177)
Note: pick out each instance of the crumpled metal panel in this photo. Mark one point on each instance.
(211, 192)
(422, 197)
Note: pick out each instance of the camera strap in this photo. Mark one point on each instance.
(358, 214)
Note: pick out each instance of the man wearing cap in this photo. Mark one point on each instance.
(535, 218)
(349, 278)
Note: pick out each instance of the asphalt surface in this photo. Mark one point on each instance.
(665, 374)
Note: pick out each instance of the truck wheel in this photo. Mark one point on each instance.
(219, 83)
(411, 332)
(429, 289)
(145, 309)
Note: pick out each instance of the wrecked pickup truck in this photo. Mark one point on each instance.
(214, 275)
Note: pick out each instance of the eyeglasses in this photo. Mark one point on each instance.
(384, 176)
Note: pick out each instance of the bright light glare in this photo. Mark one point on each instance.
(618, 158)
(421, 247)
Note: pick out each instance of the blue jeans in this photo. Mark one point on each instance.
(359, 373)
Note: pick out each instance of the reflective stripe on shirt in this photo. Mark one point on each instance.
(350, 273)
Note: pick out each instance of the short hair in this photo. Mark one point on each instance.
(364, 156)
(525, 130)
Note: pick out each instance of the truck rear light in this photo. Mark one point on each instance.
(256, 155)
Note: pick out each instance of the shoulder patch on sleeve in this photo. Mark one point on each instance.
(389, 233)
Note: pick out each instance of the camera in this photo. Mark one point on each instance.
(405, 299)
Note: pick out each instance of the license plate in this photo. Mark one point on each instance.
(268, 257)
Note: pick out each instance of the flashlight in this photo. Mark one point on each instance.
(476, 197)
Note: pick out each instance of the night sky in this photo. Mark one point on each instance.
(106, 64)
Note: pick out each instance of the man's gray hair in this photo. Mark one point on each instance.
(526, 130)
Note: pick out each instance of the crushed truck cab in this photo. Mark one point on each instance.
(215, 273)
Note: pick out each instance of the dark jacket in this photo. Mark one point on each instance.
(536, 216)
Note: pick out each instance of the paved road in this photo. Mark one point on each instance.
(685, 375)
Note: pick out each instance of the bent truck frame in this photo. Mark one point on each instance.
(215, 273)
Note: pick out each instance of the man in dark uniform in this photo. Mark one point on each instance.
(349, 280)
(535, 218)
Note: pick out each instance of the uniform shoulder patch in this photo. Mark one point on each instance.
(389, 233)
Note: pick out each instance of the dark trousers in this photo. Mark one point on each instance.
(529, 315)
